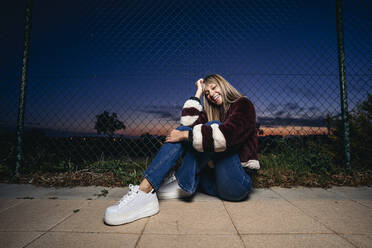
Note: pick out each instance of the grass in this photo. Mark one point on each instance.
(128, 171)
(313, 166)
(289, 163)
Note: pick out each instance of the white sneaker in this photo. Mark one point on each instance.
(170, 189)
(135, 205)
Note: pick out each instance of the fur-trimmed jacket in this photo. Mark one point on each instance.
(237, 131)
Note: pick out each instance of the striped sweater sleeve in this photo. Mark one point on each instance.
(192, 113)
(232, 133)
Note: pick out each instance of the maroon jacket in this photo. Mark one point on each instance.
(236, 133)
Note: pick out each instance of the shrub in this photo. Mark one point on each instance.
(360, 123)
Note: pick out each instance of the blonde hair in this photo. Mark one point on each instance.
(229, 96)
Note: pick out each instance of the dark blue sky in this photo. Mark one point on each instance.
(140, 59)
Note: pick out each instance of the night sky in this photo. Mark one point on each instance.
(140, 59)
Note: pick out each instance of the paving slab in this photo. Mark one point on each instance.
(263, 194)
(76, 193)
(302, 193)
(277, 216)
(90, 219)
(344, 216)
(201, 197)
(362, 241)
(6, 203)
(367, 203)
(114, 193)
(354, 193)
(23, 191)
(189, 241)
(191, 218)
(91, 240)
(37, 215)
(17, 239)
(295, 240)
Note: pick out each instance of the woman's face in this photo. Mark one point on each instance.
(213, 93)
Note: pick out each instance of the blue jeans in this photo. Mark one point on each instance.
(227, 180)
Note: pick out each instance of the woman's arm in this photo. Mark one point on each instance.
(240, 125)
(192, 110)
(199, 88)
(191, 115)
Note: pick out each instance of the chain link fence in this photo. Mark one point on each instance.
(107, 79)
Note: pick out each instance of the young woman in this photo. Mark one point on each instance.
(217, 142)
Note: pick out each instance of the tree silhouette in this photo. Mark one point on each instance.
(106, 124)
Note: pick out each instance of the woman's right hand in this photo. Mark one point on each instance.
(199, 88)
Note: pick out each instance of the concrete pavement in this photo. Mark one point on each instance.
(33, 216)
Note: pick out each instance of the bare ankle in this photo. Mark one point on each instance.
(145, 189)
(145, 186)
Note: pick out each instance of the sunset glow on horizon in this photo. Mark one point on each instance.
(164, 130)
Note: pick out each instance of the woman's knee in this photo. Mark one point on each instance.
(233, 184)
(234, 189)
(232, 194)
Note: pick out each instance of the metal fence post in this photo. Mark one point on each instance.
(22, 91)
(342, 76)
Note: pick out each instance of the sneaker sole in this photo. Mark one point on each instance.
(172, 195)
(116, 222)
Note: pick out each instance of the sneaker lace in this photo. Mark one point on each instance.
(133, 189)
